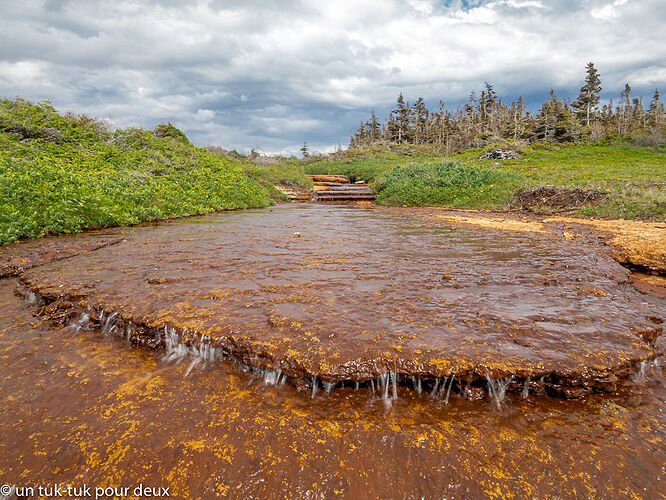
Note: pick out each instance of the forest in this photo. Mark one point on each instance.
(486, 118)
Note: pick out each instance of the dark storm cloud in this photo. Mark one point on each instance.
(270, 75)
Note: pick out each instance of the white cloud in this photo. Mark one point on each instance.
(609, 11)
(248, 74)
(26, 74)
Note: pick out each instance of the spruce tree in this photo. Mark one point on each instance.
(403, 117)
(421, 115)
(588, 99)
(656, 110)
(373, 128)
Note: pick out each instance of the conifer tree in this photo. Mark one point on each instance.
(588, 99)
(421, 115)
(373, 128)
(403, 118)
(624, 111)
(555, 122)
(656, 110)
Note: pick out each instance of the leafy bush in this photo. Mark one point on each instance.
(168, 130)
(447, 184)
(64, 174)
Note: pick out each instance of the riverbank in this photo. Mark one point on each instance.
(611, 181)
(67, 173)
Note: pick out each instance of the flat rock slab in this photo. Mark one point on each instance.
(17, 257)
(362, 292)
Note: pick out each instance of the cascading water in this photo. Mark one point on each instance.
(497, 389)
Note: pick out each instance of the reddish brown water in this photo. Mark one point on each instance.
(84, 407)
(363, 293)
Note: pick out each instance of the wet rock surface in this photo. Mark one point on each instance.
(365, 296)
(83, 408)
(18, 257)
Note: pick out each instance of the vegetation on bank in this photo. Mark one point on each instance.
(64, 174)
(448, 184)
(67, 173)
(632, 179)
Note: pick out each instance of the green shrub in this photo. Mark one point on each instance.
(447, 184)
(168, 130)
(64, 174)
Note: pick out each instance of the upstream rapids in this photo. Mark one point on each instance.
(316, 350)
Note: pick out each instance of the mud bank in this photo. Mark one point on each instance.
(369, 296)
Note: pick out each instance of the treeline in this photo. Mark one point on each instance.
(487, 118)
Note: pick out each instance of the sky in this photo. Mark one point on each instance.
(271, 75)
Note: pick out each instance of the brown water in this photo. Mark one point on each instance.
(85, 406)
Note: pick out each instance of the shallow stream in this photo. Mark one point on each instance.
(375, 355)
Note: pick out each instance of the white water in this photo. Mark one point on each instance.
(497, 389)
(31, 298)
(109, 326)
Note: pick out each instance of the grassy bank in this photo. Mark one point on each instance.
(631, 181)
(284, 175)
(64, 174)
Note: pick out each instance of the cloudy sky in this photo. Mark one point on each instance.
(270, 75)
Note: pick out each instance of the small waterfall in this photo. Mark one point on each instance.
(647, 369)
(416, 381)
(394, 383)
(109, 326)
(175, 350)
(31, 298)
(80, 322)
(272, 377)
(448, 392)
(526, 387)
(200, 349)
(641, 370)
(314, 386)
(497, 389)
(439, 388)
(433, 393)
(442, 388)
(384, 382)
(328, 386)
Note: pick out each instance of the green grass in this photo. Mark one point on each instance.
(289, 175)
(449, 184)
(65, 174)
(634, 177)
